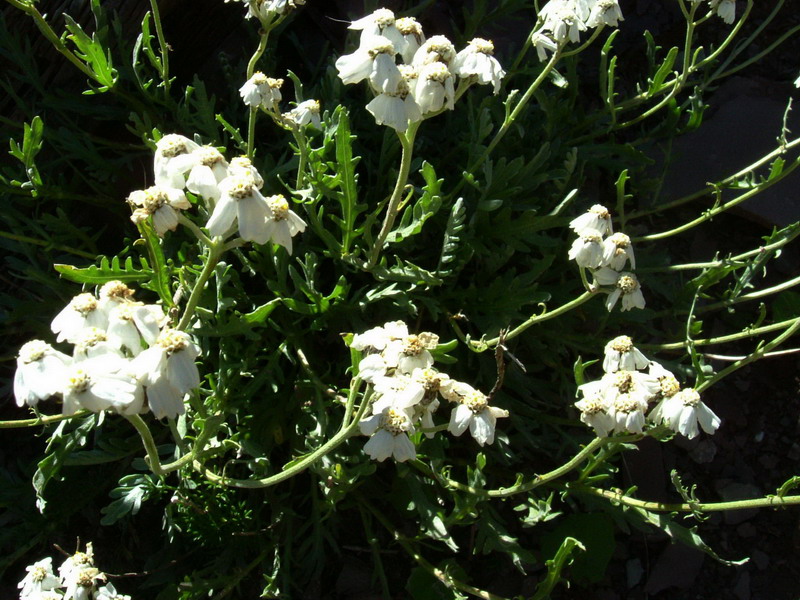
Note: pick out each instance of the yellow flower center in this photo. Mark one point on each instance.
(279, 207)
(241, 188)
(33, 351)
(626, 404)
(84, 304)
(78, 382)
(259, 78)
(383, 17)
(621, 344)
(172, 146)
(592, 406)
(38, 574)
(601, 211)
(437, 72)
(623, 381)
(669, 386)
(408, 26)
(154, 198)
(690, 397)
(210, 156)
(476, 401)
(116, 290)
(380, 47)
(172, 341)
(628, 284)
(483, 46)
(395, 422)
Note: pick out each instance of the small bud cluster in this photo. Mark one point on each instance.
(126, 359)
(78, 577)
(407, 390)
(606, 257)
(423, 84)
(620, 400)
(231, 192)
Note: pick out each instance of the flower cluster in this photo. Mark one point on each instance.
(266, 10)
(563, 21)
(231, 192)
(264, 92)
(606, 257)
(126, 359)
(619, 401)
(724, 9)
(424, 82)
(407, 391)
(77, 579)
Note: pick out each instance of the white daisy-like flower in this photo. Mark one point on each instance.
(668, 384)
(265, 10)
(101, 383)
(241, 165)
(82, 312)
(432, 383)
(617, 250)
(39, 578)
(282, 223)
(204, 177)
(76, 562)
(395, 110)
(622, 355)
(44, 595)
(161, 203)
(435, 88)
(474, 412)
(543, 45)
(594, 413)
(93, 343)
(377, 338)
(132, 323)
(261, 90)
(587, 251)
(683, 412)
(40, 368)
(725, 10)
(374, 59)
(436, 49)
(304, 113)
(389, 435)
(412, 37)
(478, 60)
(626, 286)
(168, 372)
(172, 160)
(398, 391)
(564, 20)
(112, 294)
(380, 23)
(597, 221)
(605, 12)
(628, 414)
(240, 202)
(640, 387)
(109, 592)
(82, 585)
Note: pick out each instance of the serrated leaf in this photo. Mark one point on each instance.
(104, 272)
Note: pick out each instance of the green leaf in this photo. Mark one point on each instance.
(105, 272)
(595, 534)
(348, 196)
(132, 491)
(561, 559)
(91, 52)
(657, 82)
(414, 217)
(160, 275)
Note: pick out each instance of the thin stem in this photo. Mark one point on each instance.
(153, 461)
(187, 222)
(713, 212)
(251, 68)
(162, 43)
(482, 345)
(41, 420)
(302, 160)
(752, 296)
(407, 143)
(215, 252)
(347, 429)
(721, 339)
(768, 502)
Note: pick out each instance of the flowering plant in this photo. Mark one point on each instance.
(257, 366)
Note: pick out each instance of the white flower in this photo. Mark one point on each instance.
(112, 294)
(168, 372)
(597, 221)
(109, 592)
(81, 313)
(82, 584)
(131, 323)
(282, 223)
(40, 578)
(684, 411)
(389, 430)
(93, 343)
(587, 250)
(101, 383)
(400, 392)
(594, 412)
(265, 10)
(474, 412)
(436, 49)
(623, 395)
(44, 595)
(378, 337)
(40, 368)
(621, 354)
(477, 59)
(379, 23)
(625, 285)
(564, 19)
(435, 88)
(374, 59)
(75, 563)
(261, 90)
(628, 414)
(412, 37)
(172, 160)
(304, 113)
(667, 382)
(162, 203)
(208, 171)
(617, 250)
(797, 82)
(543, 44)
(240, 202)
(395, 110)
(241, 165)
(605, 12)
(725, 10)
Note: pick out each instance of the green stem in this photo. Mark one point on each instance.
(392, 209)
(251, 68)
(537, 481)
(769, 502)
(752, 296)
(215, 252)
(483, 345)
(347, 429)
(713, 212)
(163, 45)
(302, 160)
(187, 222)
(41, 420)
(721, 339)
(153, 461)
